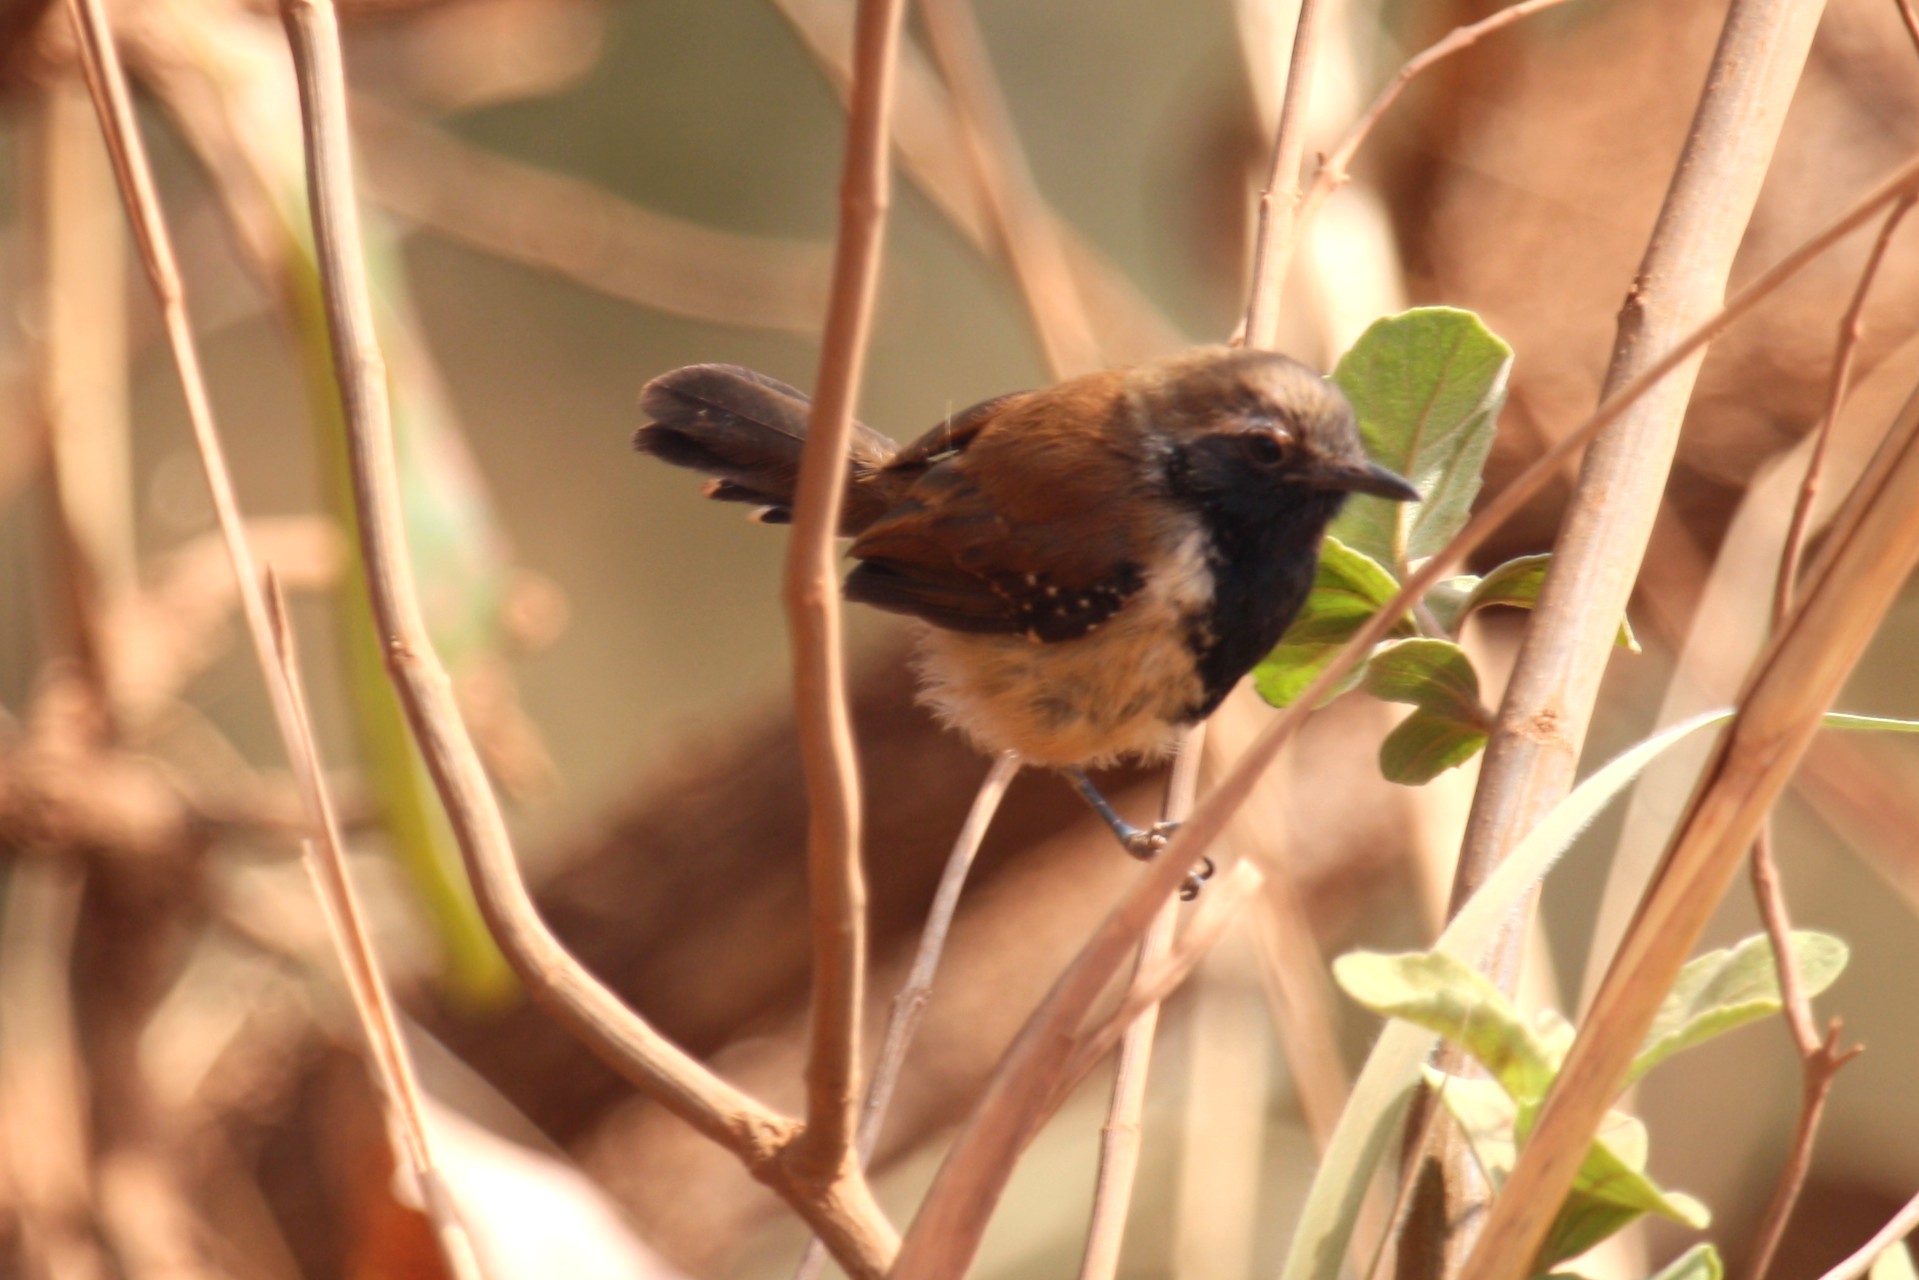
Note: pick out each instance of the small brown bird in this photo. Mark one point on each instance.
(1099, 561)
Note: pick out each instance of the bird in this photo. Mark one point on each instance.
(1094, 565)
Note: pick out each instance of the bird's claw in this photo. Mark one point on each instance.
(1146, 843)
(1196, 880)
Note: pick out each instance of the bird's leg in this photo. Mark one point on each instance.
(1140, 842)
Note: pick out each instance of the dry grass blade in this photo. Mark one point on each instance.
(824, 1149)
(326, 863)
(842, 1212)
(1867, 559)
(947, 1228)
(910, 1003)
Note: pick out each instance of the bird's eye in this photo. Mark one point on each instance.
(1267, 448)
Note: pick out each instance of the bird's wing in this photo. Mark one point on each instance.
(1014, 526)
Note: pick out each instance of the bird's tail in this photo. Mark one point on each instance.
(745, 430)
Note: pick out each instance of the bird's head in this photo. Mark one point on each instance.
(1253, 433)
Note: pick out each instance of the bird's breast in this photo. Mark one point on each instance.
(1123, 689)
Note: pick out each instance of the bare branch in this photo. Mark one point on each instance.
(910, 1003)
(333, 886)
(842, 1212)
(824, 1149)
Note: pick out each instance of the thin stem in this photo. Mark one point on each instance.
(1119, 1137)
(1025, 227)
(909, 1005)
(1820, 1059)
(1277, 234)
(1334, 168)
(842, 1211)
(107, 84)
(824, 1149)
(946, 1231)
(1851, 327)
(326, 863)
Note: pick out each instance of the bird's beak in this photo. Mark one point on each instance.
(1365, 477)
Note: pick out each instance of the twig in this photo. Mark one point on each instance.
(838, 887)
(1851, 328)
(1279, 203)
(584, 233)
(1119, 1138)
(909, 1004)
(1860, 1260)
(106, 82)
(1334, 168)
(926, 133)
(1820, 1059)
(945, 1233)
(1021, 221)
(326, 863)
(1219, 907)
(1872, 549)
(842, 1212)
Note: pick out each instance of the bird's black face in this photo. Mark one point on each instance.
(1265, 469)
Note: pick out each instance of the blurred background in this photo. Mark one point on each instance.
(569, 197)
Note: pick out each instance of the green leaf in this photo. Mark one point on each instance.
(1450, 726)
(1725, 989)
(1426, 744)
(1427, 386)
(1285, 673)
(1434, 674)
(1517, 583)
(1368, 1127)
(1611, 1189)
(1701, 1262)
(1447, 995)
(1348, 589)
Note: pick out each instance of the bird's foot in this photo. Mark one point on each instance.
(1146, 842)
